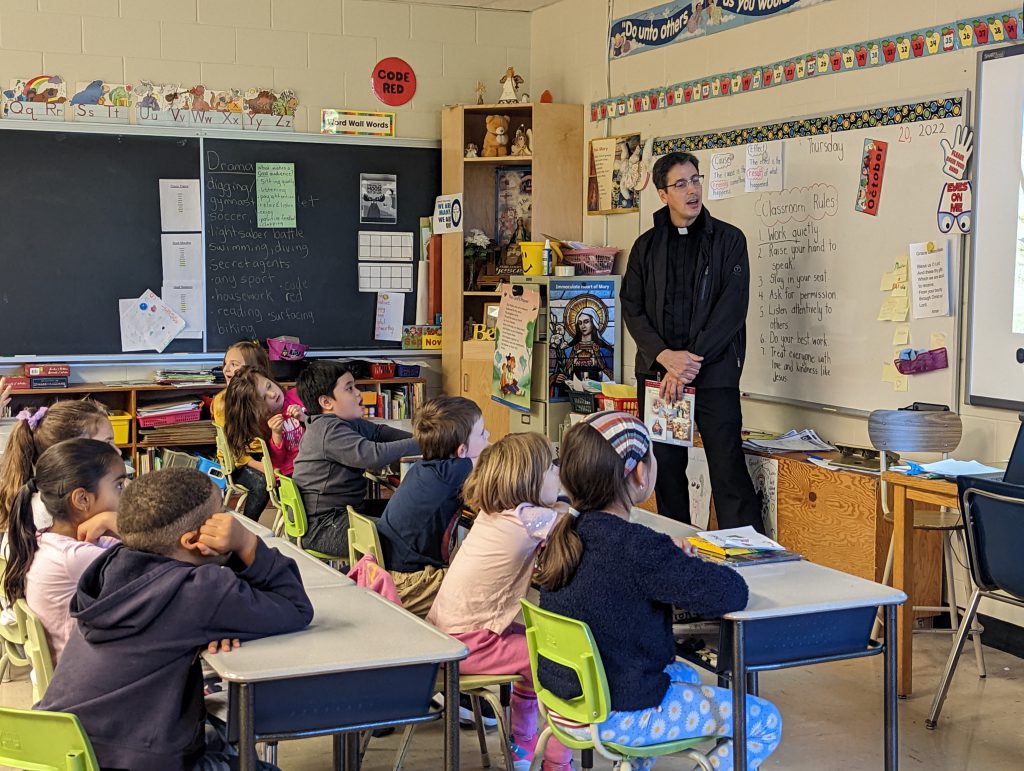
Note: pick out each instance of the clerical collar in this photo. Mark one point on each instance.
(683, 231)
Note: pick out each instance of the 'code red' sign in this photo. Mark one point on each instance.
(394, 82)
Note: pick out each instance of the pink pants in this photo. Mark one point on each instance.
(494, 654)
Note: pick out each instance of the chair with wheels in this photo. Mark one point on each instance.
(926, 431)
(994, 522)
(44, 741)
(571, 644)
(37, 649)
(227, 464)
(295, 524)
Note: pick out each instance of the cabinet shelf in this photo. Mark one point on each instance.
(504, 160)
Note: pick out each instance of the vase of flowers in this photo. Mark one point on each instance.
(476, 249)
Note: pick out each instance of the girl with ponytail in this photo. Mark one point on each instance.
(623, 580)
(80, 483)
(39, 429)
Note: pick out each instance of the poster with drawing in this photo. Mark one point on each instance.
(616, 174)
(378, 199)
(765, 474)
(581, 339)
(699, 477)
(512, 373)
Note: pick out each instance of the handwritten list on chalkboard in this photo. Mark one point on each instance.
(275, 195)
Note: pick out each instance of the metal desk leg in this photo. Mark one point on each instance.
(903, 579)
(346, 746)
(246, 729)
(451, 716)
(892, 727)
(752, 685)
(739, 697)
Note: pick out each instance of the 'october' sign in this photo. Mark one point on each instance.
(394, 82)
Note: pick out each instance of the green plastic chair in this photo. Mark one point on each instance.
(362, 538)
(227, 465)
(295, 523)
(44, 741)
(13, 635)
(270, 474)
(37, 649)
(570, 643)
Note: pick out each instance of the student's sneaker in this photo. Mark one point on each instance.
(466, 711)
(520, 761)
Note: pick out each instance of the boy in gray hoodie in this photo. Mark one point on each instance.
(186, 574)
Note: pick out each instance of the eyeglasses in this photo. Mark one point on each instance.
(681, 184)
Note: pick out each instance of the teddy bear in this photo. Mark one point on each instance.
(496, 141)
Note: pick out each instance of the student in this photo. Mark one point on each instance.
(514, 486)
(256, 406)
(417, 523)
(38, 430)
(336, 449)
(248, 472)
(186, 574)
(80, 483)
(623, 579)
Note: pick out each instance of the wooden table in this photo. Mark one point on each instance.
(906, 492)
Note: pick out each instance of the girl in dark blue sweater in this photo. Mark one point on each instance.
(623, 580)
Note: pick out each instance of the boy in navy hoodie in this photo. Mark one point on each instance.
(416, 527)
(186, 574)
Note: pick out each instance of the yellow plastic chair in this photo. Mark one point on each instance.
(363, 538)
(13, 636)
(570, 643)
(227, 464)
(294, 513)
(37, 649)
(270, 474)
(44, 741)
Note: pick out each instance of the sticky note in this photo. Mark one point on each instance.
(938, 340)
(889, 280)
(889, 372)
(900, 290)
(901, 336)
(901, 383)
(901, 308)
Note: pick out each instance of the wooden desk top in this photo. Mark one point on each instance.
(933, 486)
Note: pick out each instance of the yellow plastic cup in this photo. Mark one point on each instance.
(533, 257)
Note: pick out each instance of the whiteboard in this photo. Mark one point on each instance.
(817, 263)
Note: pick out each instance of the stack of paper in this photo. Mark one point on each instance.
(169, 408)
(792, 441)
(740, 546)
(181, 378)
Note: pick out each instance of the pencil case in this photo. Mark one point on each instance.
(924, 362)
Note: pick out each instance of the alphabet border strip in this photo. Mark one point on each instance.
(971, 32)
(911, 112)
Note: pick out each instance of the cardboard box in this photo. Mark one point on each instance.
(47, 370)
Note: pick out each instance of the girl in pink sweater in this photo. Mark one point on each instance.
(256, 406)
(514, 487)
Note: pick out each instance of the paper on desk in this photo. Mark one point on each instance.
(147, 323)
(740, 538)
(955, 468)
(792, 441)
(179, 206)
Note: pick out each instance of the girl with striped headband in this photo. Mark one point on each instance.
(623, 580)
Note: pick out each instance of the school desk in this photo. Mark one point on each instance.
(362, 663)
(906, 492)
(314, 573)
(800, 613)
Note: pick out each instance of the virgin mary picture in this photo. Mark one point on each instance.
(583, 333)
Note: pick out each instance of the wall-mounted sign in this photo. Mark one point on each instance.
(357, 123)
(394, 82)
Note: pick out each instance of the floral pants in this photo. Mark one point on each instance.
(691, 710)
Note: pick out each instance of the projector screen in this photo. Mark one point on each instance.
(996, 321)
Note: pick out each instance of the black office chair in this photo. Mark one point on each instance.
(993, 513)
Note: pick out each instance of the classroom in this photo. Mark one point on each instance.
(339, 337)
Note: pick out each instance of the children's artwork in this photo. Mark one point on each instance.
(39, 98)
(378, 199)
(765, 474)
(872, 172)
(513, 211)
(581, 333)
(231, 100)
(699, 476)
(154, 97)
(390, 312)
(147, 323)
(669, 421)
(513, 346)
(616, 174)
(100, 102)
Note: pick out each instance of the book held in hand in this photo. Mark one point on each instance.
(669, 421)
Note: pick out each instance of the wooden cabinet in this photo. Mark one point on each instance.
(477, 372)
(557, 208)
